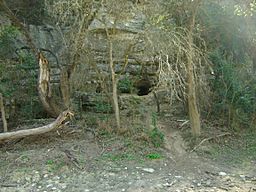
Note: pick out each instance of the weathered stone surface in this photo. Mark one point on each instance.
(86, 79)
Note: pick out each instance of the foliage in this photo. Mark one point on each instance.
(125, 85)
(103, 107)
(155, 135)
(7, 36)
(119, 157)
(234, 90)
(18, 79)
(54, 165)
(27, 74)
(154, 156)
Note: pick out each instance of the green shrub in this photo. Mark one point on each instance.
(7, 37)
(234, 91)
(18, 79)
(154, 156)
(103, 107)
(125, 85)
(155, 135)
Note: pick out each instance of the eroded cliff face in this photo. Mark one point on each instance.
(93, 69)
(28, 11)
(48, 36)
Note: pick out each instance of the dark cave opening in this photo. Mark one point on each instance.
(143, 86)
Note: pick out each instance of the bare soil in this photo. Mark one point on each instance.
(74, 159)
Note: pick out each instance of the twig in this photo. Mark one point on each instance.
(103, 149)
(8, 185)
(72, 158)
(207, 139)
(184, 123)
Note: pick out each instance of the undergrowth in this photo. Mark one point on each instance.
(238, 149)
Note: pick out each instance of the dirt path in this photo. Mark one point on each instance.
(66, 163)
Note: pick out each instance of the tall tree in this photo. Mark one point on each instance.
(183, 66)
(192, 98)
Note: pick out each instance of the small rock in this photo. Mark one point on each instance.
(167, 184)
(63, 186)
(242, 177)
(231, 185)
(178, 177)
(49, 185)
(111, 174)
(222, 173)
(208, 183)
(149, 170)
(56, 178)
(28, 178)
(36, 177)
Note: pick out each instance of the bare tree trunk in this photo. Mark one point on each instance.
(114, 85)
(3, 113)
(194, 115)
(65, 88)
(44, 87)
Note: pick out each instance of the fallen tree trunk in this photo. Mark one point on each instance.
(39, 130)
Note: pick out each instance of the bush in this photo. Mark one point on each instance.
(7, 36)
(125, 85)
(18, 79)
(234, 92)
(156, 136)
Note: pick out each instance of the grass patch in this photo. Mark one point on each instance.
(53, 165)
(119, 157)
(154, 156)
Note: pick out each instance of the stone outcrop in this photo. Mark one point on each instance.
(127, 33)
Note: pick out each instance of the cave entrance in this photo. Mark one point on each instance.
(144, 87)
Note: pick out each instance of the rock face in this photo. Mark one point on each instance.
(43, 36)
(128, 46)
(29, 11)
(91, 79)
